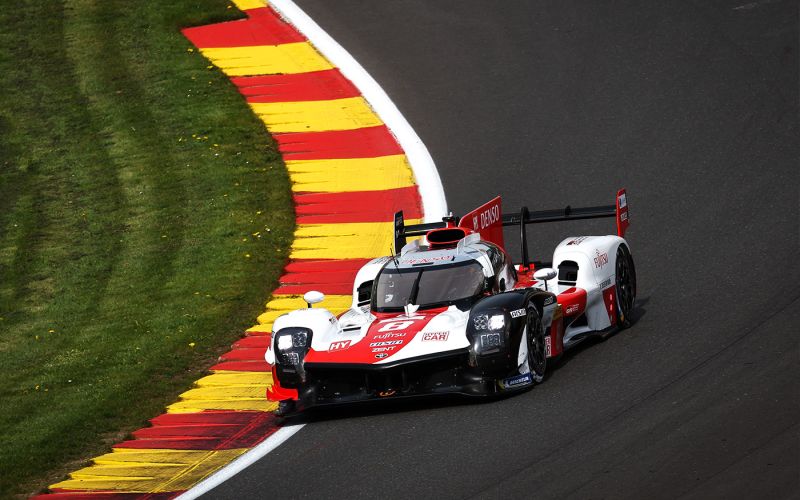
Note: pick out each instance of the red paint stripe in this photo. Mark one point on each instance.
(252, 341)
(263, 27)
(331, 289)
(180, 443)
(338, 288)
(244, 354)
(189, 431)
(330, 277)
(242, 366)
(341, 287)
(254, 354)
(204, 431)
(324, 265)
(209, 417)
(311, 86)
(368, 142)
(201, 443)
(362, 206)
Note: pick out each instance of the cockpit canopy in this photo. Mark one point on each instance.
(428, 286)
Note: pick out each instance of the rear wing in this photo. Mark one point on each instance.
(487, 220)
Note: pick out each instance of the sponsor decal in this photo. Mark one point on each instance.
(383, 349)
(572, 309)
(623, 201)
(577, 241)
(389, 336)
(623, 216)
(600, 260)
(547, 347)
(517, 313)
(381, 355)
(517, 381)
(339, 345)
(486, 218)
(548, 301)
(386, 394)
(605, 284)
(385, 343)
(427, 260)
(439, 336)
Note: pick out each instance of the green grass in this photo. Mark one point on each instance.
(132, 181)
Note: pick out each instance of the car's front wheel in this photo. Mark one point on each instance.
(537, 350)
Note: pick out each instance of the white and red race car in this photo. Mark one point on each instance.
(453, 315)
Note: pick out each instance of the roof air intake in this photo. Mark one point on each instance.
(445, 237)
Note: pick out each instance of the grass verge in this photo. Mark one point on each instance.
(144, 217)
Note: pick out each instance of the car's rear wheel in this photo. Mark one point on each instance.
(537, 351)
(625, 286)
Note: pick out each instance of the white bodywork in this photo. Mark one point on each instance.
(596, 259)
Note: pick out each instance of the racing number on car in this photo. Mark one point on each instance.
(395, 326)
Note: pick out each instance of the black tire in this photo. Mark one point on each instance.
(625, 286)
(537, 350)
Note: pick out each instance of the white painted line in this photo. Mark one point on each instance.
(430, 185)
(242, 462)
(431, 191)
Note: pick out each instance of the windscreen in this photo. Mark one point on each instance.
(427, 286)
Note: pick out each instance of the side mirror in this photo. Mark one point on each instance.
(544, 275)
(313, 297)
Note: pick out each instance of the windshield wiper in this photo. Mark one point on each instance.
(412, 297)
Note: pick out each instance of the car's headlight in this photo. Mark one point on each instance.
(291, 346)
(292, 358)
(490, 341)
(288, 340)
(489, 332)
(490, 322)
(284, 342)
(299, 339)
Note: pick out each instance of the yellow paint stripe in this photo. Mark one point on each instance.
(234, 393)
(249, 4)
(148, 471)
(316, 116)
(283, 304)
(226, 390)
(357, 174)
(228, 378)
(355, 240)
(197, 405)
(286, 58)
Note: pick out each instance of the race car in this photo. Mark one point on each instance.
(451, 313)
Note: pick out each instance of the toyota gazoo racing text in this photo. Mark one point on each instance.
(452, 315)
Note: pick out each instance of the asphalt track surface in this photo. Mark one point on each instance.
(693, 106)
